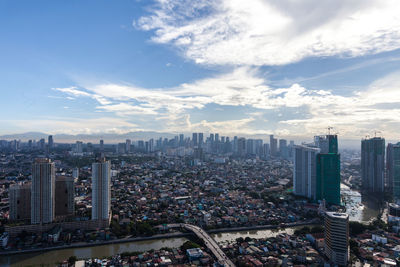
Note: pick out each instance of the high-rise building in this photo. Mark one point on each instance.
(201, 139)
(373, 164)
(328, 178)
(283, 148)
(337, 237)
(273, 145)
(120, 148)
(65, 196)
(43, 191)
(128, 144)
(216, 138)
(194, 139)
(42, 144)
(181, 140)
(50, 142)
(266, 153)
(304, 173)
(242, 147)
(235, 145)
(327, 143)
(78, 147)
(101, 145)
(20, 202)
(393, 169)
(250, 147)
(101, 192)
(328, 169)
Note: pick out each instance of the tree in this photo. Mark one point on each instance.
(72, 260)
(189, 244)
(357, 228)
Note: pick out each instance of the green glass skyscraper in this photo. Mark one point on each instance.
(328, 169)
(393, 169)
(328, 178)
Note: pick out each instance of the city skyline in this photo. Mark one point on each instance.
(101, 67)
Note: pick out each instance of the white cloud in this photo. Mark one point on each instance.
(77, 126)
(72, 91)
(169, 109)
(273, 32)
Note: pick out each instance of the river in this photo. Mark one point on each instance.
(360, 208)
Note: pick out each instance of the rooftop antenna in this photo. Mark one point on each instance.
(377, 132)
(329, 130)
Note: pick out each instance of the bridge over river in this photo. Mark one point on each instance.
(208, 241)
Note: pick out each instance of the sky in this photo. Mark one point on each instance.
(283, 67)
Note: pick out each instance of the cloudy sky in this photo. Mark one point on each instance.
(286, 67)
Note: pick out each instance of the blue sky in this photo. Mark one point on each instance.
(229, 66)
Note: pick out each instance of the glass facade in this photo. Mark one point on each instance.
(328, 178)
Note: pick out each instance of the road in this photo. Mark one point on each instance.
(208, 241)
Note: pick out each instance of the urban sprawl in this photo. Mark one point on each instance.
(55, 195)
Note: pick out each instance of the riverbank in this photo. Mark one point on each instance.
(157, 237)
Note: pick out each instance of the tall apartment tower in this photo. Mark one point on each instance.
(20, 202)
(194, 139)
(337, 237)
(328, 169)
(273, 145)
(328, 178)
(373, 164)
(65, 196)
(128, 144)
(50, 142)
(283, 148)
(43, 191)
(304, 173)
(101, 145)
(201, 139)
(393, 169)
(101, 193)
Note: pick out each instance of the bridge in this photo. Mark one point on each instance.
(208, 241)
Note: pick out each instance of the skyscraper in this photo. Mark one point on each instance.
(242, 147)
(273, 145)
(78, 147)
(43, 191)
(101, 145)
(283, 148)
(337, 237)
(65, 196)
(372, 164)
(328, 178)
(393, 169)
(50, 142)
(201, 139)
(328, 169)
(194, 139)
(101, 193)
(304, 173)
(181, 140)
(20, 202)
(128, 144)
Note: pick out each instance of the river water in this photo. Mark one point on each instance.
(360, 208)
